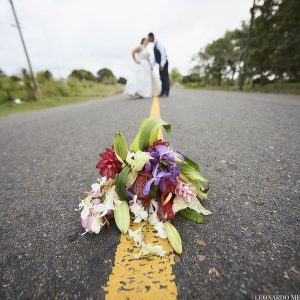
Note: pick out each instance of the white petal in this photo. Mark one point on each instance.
(159, 251)
(137, 220)
(84, 213)
(160, 228)
(95, 187)
(179, 204)
(137, 236)
(197, 206)
(96, 224)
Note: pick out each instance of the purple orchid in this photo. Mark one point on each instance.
(163, 167)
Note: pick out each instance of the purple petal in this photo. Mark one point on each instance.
(148, 166)
(157, 180)
(155, 170)
(162, 174)
(129, 192)
(163, 185)
(161, 149)
(147, 186)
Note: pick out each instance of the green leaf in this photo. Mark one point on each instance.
(191, 163)
(173, 237)
(154, 132)
(121, 183)
(191, 173)
(135, 144)
(120, 146)
(153, 190)
(148, 133)
(122, 216)
(191, 214)
(200, 190)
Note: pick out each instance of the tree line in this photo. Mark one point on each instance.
(265, 49)
(104, 75)
(20, 86)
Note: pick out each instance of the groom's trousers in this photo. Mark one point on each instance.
(164, 77)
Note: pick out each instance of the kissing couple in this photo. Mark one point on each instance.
(143, 83)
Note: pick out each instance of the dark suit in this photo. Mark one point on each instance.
(164, 73)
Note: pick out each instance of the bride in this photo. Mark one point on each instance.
(142, 82)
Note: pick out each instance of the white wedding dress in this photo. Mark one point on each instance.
(142, 82)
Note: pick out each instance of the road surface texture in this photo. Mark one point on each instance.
(247, 145)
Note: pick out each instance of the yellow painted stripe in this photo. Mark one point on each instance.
(155, 112)
(146, 278)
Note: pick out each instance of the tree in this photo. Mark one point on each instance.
(275, 45)
(175, 76)
(44, 76)
(261, 45)
(82, 74)
(264, 50)
(220, 58)
(192, 78)
(286, 57)
(106, 76)
(122, 80)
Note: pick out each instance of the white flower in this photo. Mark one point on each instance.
(160, 228)
(111, 198)
(153, 219)
(138, 210)
(137, 236)
(96, 186)
(85, 205)
(180, 204)
(150, 249)
(96, 224)
(112, 195)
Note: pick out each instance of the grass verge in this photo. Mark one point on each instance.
(11, 108)
(286, 88)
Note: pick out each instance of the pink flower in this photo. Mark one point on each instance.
(186, 191)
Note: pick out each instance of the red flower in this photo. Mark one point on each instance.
(139, 184)
(167, 200)
(168, 211)
(109, 165)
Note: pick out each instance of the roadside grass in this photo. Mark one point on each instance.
(280, 88)
(95, 92)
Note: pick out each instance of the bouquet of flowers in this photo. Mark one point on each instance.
(146, 182)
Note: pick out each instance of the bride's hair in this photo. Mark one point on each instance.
(142, 41)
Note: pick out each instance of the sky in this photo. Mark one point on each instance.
(62, 35)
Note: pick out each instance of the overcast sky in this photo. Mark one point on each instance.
(62, 35)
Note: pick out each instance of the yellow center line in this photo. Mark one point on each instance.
(146, 278)
(155, 112)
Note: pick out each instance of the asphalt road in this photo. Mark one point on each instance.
(248, 146)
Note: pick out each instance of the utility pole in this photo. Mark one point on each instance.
(246, 53)
(34, 83)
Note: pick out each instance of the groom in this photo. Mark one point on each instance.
(161, 59)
